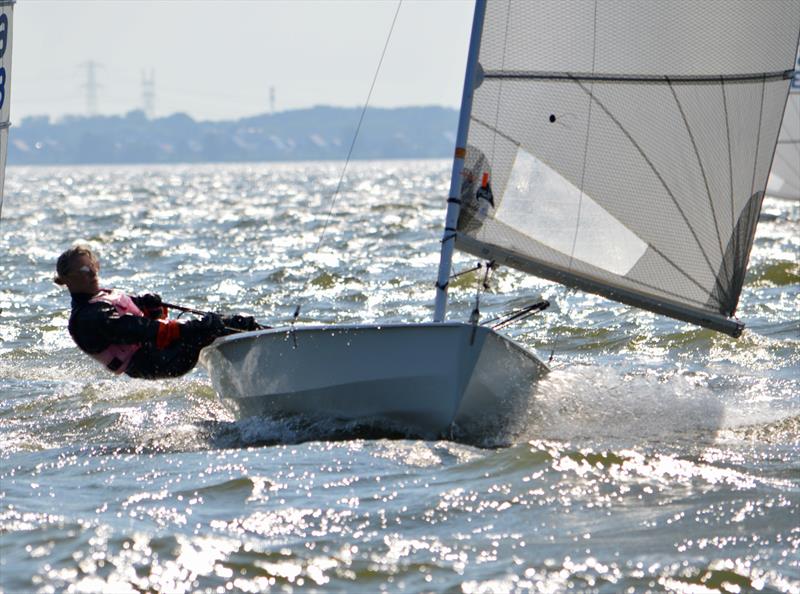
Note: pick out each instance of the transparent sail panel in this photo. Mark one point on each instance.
(784, 179)
(6, 17)
(563, 220)
(624, 147)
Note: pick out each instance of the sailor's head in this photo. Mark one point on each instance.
(77, 269)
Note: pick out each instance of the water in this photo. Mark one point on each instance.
(655, 457)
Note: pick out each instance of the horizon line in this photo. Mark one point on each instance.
(80, 116)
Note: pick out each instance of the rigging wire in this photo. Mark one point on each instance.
(475, 317)
(350, 151)
(505, 319)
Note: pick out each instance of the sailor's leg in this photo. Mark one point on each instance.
(176, 360)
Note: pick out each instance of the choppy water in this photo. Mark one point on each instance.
(655, 457)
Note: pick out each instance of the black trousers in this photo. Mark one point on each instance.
(177, 359)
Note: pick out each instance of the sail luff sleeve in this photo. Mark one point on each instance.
(654, 198)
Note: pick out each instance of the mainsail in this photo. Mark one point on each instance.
(784, 179)
(6, 18)
(623, 147)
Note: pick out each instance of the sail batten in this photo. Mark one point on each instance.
(634, 78)
(630, 157)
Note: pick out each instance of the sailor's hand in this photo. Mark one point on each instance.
(213, 323)
(152, 306)
(204, 330)
(240, 322)
(150, 300)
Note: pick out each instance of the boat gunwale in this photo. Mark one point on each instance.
(288, 330)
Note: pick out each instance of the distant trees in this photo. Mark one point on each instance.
(318, 133)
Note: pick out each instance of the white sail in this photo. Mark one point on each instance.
(6, 31)
(623, 146)
(784, 179)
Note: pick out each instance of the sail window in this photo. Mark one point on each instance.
(541, 203)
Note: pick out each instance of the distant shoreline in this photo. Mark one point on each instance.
(315, 134)
(353, 163)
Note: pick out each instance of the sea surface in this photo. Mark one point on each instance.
(655, 457)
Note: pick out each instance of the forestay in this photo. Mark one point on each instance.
(6, 18)
(784, 179)
(623, 147)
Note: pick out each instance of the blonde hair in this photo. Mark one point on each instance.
(66, 259)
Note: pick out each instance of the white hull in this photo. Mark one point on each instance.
(420, 377)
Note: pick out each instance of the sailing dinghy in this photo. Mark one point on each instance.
(621, 147)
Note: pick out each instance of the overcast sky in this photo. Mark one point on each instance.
(218, 60)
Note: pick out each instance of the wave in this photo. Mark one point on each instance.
(773, 273)
(583, 404)
(785, 430)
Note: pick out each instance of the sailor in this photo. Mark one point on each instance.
(131, 334)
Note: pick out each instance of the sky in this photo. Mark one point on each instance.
(217, 60)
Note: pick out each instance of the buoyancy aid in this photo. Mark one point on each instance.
(117, 357)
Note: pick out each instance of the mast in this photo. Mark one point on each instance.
(454, 197)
